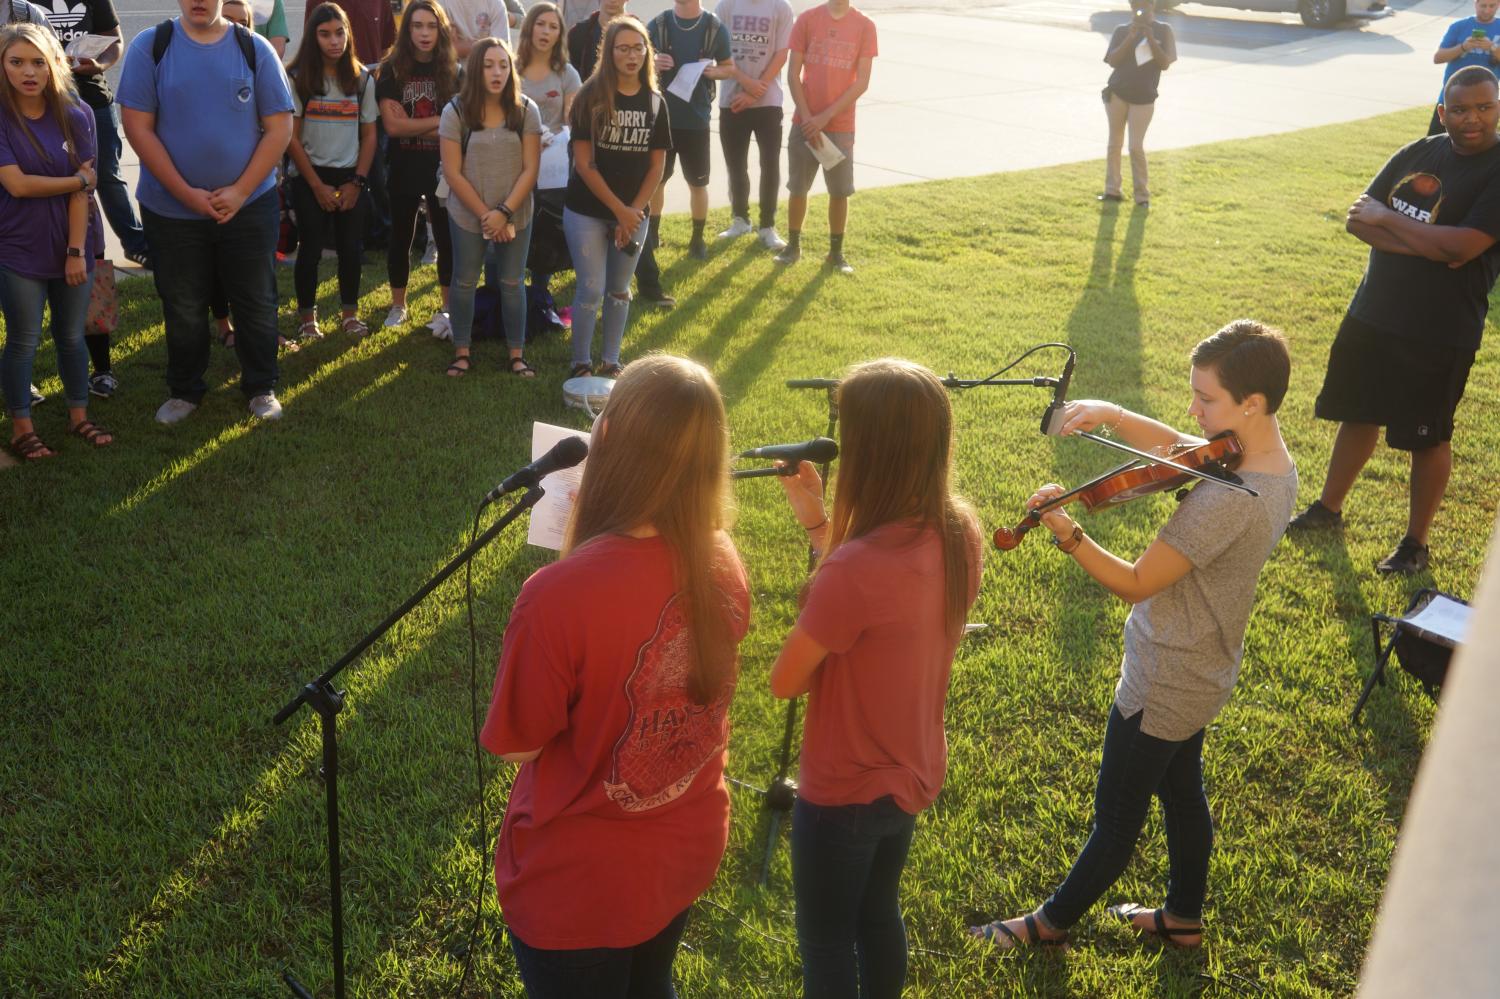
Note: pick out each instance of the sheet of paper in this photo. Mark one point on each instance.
(1443, 618)
(89, 46)
(1143, 53)
(554, 169)
(549, 518)
(829, 155)
(687, 79)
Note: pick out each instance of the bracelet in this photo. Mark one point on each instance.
(505, 210)
(1074, 540)
(819, 524)
(83, 182)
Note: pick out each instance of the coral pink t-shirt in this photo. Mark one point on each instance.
(875, 708)
(620, 823)
(831, 49)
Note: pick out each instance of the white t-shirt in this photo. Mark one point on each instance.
(476, 19)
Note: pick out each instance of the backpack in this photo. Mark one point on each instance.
(163, 37)
(710, 37)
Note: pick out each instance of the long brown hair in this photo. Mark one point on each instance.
(306, 68)
(895, 442)
(661, 459)
(472, 94)
(595, 103)
(557, 59)
(403, 61)
(60, 95)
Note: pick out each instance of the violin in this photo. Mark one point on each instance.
(1215, 459)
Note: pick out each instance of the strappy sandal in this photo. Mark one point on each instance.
(29, 447)
(91, 432)
(307, 331)
(611, 370)
(1008, 939)
(1126, 912)
(581, 371)
(226, 338)
(521, 369)
(459, 367)
(355, 327)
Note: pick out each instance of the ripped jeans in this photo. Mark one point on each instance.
(471, 252)
(603, 278)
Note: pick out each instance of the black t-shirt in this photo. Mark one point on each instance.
(84, 17)
(411, 163)
(1416, 297)
(1132, 83)
(583, 45)
(622, 150)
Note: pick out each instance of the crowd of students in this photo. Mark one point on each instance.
(374, 125)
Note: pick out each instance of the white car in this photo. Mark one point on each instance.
(1315, 13)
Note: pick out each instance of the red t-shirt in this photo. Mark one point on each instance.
(620, 823)
(875, 707)
(831, 49)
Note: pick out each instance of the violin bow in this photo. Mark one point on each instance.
(1155, 459)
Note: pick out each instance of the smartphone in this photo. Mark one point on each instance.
(1477, 34)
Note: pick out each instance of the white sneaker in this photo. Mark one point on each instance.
(770, 240)
(175, 411)
(396, 317)
(265, 407)
(429, 255)
(441, 329)
(739, 227)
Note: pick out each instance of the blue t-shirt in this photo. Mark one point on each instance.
(1456, 33)
(687, 47)
(207, 108)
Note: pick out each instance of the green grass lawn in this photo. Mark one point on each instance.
(166, 597)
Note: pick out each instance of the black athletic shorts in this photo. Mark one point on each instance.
(692, 144)
(1409, 385)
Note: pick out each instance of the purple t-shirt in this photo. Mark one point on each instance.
(34, 231)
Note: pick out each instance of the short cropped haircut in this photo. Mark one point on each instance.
(1249, 357)
(1470, 76)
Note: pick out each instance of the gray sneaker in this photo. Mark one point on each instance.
(175, 411)
(265, 407)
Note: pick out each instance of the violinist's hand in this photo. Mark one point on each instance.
(1055, 520)
(804, 491)
(1087, 414)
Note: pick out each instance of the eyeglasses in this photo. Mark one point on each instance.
(629, 50)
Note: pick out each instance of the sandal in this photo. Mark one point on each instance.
(454, 369)
(1007, 939)
(308, 331)
(611, 370)
(581, 371)
(354, 327)
(1126, 912)
(29, 447)
(521, 369)
(91, 432)
(226, 338)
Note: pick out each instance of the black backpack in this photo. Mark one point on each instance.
(163, 37)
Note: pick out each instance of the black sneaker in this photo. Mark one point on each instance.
(656, 297)
(103, 384)
(836, 262)
(1409, 558)
(698, 250)
(790, 255)
(1316, 517)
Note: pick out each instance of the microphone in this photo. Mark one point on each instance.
(1052, 418)
(564, 454)
(819, 450)
(811, 383)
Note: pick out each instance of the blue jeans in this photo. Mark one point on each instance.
(186, 254)
(603, 277)
(114, 195)
(471, 253)
(21, 299)
(640, 972)
(1135, 766)
(846, 875)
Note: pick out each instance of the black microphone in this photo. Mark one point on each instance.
(564, 454)
(819, 450)
(813, 383)
(1052, 418)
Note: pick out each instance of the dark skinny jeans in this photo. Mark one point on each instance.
(1134, 767)
(404, 229)
(735, 131)
(846, 875)
(640, 972)
(314, 226)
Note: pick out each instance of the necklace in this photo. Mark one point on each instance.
(692, 26)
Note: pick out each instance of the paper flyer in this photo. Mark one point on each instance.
(686, 80)
(554, 169)
(828, 155)
(1143, 53)
(89, 46)
(549, 518)
(1444, 619)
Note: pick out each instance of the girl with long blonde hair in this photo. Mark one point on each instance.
(613, 691)
(873, 648)
(49, 234)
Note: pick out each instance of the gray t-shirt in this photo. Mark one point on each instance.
(1183, 645)
(758, 29)
(22, 12)
(550, 93)
(492, 164)
(331, 120)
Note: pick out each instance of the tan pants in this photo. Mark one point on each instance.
(1137, 117)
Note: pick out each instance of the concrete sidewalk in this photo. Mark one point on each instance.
(968, 89)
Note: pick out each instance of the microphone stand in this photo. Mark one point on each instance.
(322, 697)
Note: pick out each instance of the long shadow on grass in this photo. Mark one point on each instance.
(736, 378)
(689, 308)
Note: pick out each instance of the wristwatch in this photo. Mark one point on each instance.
(74, 251)
(362, 181)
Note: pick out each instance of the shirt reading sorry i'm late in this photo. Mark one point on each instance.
(622, 149)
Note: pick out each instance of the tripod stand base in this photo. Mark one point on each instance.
(780, 797)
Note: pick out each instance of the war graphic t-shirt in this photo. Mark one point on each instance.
(1415, 297)
(621, 821)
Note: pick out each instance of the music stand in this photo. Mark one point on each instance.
(1423, 639)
